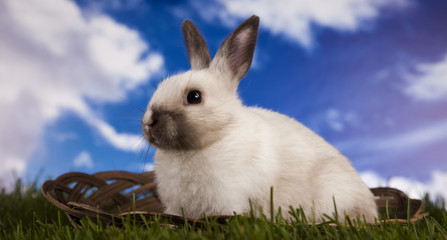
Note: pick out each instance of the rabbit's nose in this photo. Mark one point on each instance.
(150, 119)
(147, 120)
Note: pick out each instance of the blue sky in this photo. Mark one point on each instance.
(369, 76)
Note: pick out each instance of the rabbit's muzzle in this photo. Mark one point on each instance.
(167, 129)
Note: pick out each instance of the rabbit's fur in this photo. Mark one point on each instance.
(214, 156)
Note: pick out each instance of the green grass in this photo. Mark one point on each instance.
(26, 214)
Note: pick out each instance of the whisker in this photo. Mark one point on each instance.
(133, 104)
(124, 98)
(132, 129)
(139, 154)
(145, 159)
(128, 118)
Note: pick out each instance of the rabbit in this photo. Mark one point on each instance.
(216, 156)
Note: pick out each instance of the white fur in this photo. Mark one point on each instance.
(252, 150)
(261, 149)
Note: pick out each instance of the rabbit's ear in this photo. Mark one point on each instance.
(198, 53)
(236, 52)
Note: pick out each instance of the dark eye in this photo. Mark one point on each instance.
(194, 97)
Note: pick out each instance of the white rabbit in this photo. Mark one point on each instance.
(215, 154)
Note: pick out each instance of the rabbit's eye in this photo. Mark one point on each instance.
(194, 97)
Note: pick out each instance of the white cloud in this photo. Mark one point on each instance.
(83, 160)
(428, 134)
(11, 168)
(294, 18)
(148, 167)
(435, 186)
(107, 5)
(338, 120)
(416, 138)
(53, 58)
(333, 118)
(430, 83)
(123, 141)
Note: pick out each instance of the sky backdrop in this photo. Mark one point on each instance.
(370, 76)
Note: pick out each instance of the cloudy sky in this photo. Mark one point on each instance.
(370, 76)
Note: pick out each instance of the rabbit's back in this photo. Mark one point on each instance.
(311, 172)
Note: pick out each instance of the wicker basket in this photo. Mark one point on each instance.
(111, 196)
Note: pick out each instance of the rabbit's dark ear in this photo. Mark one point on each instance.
(236, 52)
(198, 53)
